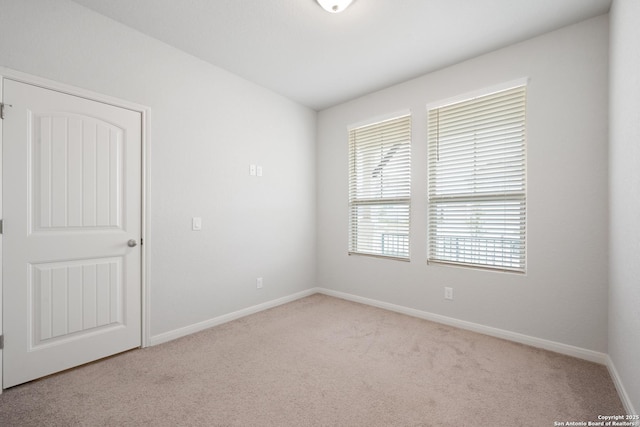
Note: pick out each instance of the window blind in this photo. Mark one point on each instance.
(476, 181)
(380, 188)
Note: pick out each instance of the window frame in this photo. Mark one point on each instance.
(403, 202)
(499, 263)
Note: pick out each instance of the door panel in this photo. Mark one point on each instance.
(69, 299)
(72, 201)
(77, 173)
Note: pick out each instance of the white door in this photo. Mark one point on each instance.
(72, 208)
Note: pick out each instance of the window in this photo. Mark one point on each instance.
(380, 188)
(477, 199)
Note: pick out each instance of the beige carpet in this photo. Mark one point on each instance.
(321, 361)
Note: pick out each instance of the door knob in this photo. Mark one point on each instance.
(132, 243)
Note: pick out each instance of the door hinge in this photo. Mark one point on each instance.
(2, 109)
(1, 342)
(1, 224)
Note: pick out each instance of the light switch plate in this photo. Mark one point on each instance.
(196, 223)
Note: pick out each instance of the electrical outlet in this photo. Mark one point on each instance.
(252, 170)
(448, 293)
(259, 282)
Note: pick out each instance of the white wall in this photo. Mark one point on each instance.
(624, 135)
(563, 296)
(207, 126)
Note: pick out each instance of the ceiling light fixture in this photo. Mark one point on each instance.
(334, 6)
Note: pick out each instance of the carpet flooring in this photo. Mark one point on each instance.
(321, 361)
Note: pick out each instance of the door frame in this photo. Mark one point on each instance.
(6, 73)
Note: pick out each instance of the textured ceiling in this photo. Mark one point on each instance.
(318, 59)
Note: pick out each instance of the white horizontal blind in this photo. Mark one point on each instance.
(477, 199)
(380, 188)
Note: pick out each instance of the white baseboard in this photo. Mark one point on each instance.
(580, 353)
(622, 392)
(569, 350)
(197, 327)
